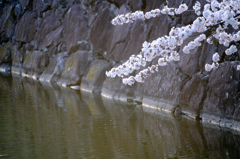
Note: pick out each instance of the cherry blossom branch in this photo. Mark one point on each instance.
(215, 14)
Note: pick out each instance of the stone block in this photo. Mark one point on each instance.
(99, 35)
(18, 11)
(5, 69)
(222, 96)
(192, 96)
(54, 70)
(76, 65)
(50, 30)
(189, 63)
(26, 27)
(32, 64)
(119, 38)
(93, 79)
(113, 88)
(163, 86)
(5, 53)
(7, 24)
(23, 3)
(75, 27)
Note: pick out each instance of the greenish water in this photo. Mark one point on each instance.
(42, 122)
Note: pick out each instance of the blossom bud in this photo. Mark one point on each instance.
(215, 57)
(208, 67)
(238, 67)
(162, 62)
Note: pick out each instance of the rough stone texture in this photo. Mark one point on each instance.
(153, 4)
(117, 42)
(188, 63)
(75, 67)
(34, 64)
(39, 5)
(50, 29)
(5, 69)
(18, 11)
(158, 27)
(189, 3)
(222, 96)
(23, 3)
(7, 24)
(236, 115)
(113, 88)
(93, 79)
(15, 56)
(99, 35)
(53, 38)
(26, 27)
(5, 53)
(136, 5)
(129, 42)
(119, 3)
(163, 88)
(173, 3)
(138, 36)
(84, 45)
(58, 3)
(29, 47)
(75, 27)
(17, 59)
(53, 72)
(192, 96)
(206, 55)
(188, 17)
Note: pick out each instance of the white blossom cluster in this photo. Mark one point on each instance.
(197, 8)
(195, 43)
(215, 63)
(231, 50)
(130, 17)
(216, 17)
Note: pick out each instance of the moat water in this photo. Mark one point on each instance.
(40, 121)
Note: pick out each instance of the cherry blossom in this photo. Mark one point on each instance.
(216, 17)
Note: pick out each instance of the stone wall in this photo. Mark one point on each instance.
(72, 42)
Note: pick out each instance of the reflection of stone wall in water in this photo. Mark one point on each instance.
(65, 42)
(53, 122)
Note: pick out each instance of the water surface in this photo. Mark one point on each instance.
(42, 122)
